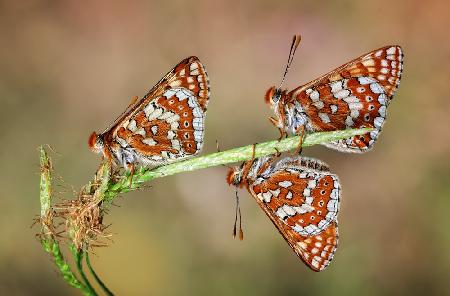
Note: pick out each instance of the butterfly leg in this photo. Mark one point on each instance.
(131, 167)
(275, 123)
(254, 152)
(278, 154)
(282, 134)
(302, 134)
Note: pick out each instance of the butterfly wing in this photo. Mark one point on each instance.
(167, 124)
(315, 251)
(354, 95)
(303, 204)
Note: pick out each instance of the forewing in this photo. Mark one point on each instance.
(354, 95)
(307, 201)
(191, 75)
(168, 123)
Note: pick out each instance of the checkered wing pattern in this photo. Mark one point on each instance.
(167, 124)
(355, 95)
(316, 251)
(302, 199)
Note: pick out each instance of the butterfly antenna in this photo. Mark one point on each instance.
(238, 210)
(295, 42)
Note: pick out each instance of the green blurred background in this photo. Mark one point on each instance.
(68, 68)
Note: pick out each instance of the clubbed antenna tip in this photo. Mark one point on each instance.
(295, 42)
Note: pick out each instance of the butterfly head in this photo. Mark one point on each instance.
(234, 176)
(273, 95)
(96, 143)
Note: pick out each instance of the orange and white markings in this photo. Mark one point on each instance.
(301, 197)
(355, 95)
(166, 125)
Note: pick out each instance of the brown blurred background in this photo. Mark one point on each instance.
(68, 68)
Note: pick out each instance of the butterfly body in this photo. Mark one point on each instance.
(301, 197)
(355, 95)
(165, 126)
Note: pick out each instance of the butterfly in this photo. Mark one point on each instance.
(165, 126)
(355, 95)
(301, 197)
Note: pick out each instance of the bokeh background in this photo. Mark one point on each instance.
(68, 68)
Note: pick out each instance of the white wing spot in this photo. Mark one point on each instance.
(336, 86)
(314, 95)
(390, 50)
(132, 125)
(194, 66)
(342, 94)
(265, 196)
(355, 106)
(349, 121)
(170, 135)
(173, 118)
(369, 63)
(351, 99)
(148, 109)
(333, 108)
(289, 210)
(198, 135)
(155, 114)
(365, 80)
(149, 141)
(390, 57)
(378, 122)
(318, 104)
(382, 111)
(285, 184)
(280, 213)
(324, 117)
(376, 88)
(289, 195)
(141, 132)
(182, 95)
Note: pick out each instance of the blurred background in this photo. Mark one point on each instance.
(67, 69)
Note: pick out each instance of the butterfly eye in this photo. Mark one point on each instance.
(269, 97)
(234, 177)
(276, 96)
(95, 142)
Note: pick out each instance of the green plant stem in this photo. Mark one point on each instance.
(108, 190)
(48, 242)
(94, 274)
(45, 185)
(225, 157)
(79, 261)
(51, 246)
